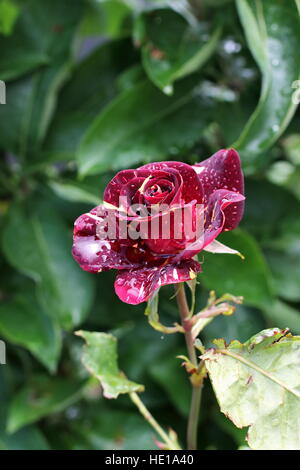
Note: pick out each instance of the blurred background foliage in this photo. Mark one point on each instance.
(96, 86)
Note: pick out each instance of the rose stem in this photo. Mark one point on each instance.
(196, 390)
(152, 421)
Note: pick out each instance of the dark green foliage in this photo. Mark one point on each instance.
(94, 87)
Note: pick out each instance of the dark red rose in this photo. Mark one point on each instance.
(156, 218)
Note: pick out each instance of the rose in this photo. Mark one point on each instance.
(210, 191)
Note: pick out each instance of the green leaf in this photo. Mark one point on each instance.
(273, 33)
(38, 333)
(271, 212)
(151, 313)
(108, 428)
(173, 48)
(8, 15)
(38, 38)
(281, 172)
(28, 438)
(149, 346)
(257, 384)
(78, 105)
(217, 3)
(42, 396)
(130, 77)
(109, 18)
(75, 191)
(29, 109)
(46, 86)
(37, 243)
(100, 359)
(145, 126)
(239, 435)
(291, 145)
(183, 7)
(285, 267)
(292, 180)
(236, 273)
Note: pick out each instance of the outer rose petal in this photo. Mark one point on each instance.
(137, 285)
(93, 254)
(223, 171)
(214, 220)
(220, 201)
(192, 188)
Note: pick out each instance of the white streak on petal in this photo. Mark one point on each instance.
(199, 169)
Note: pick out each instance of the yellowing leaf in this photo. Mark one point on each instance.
(257, 384)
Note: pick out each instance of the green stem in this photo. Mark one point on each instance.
(192, 431)
(187, 324)
(152, 421)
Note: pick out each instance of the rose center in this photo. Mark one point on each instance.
(158, 190)
(155, 190)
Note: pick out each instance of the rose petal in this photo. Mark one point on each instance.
(214, 220)
(170, 232)
(126, 184)
(94, 254)
(192, 188)
(159, 191)
(130, 195)
(112, 191)
(223, 171)
(137, 285)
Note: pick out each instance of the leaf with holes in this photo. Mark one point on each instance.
(257, 384)
(101, 360)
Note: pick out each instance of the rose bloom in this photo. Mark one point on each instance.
(171, 211)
